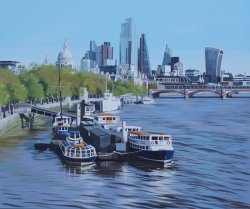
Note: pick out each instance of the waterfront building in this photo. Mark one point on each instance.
(144, 67)
(128, 45)
(167, 56)
(14, 66)
(164, 81)
(178, 69)
(173, 61)
(127, 71)
(65, 58)
(213, 58)
(193, 74)
(241, 80)
(166, 70)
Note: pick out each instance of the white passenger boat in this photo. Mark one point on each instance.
(61, 124)
(152, 147)
(145, 100)
(148, 100)
(75, 151)
(110, 103)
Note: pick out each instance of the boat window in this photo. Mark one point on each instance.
(160, 138)
(166, 138)
(154, 137)
(146, 147)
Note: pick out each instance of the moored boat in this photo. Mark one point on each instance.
(152, 147)
(61, 121)
(74, 150)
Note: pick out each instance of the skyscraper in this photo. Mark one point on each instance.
(88, 62)
(167, 56)
(143, 58)
(104, 53)
(128, 46)
(213, 58)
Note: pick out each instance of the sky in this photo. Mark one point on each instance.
(30, 29)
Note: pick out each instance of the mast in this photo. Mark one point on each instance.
(60, 90)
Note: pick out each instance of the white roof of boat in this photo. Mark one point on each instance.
(142, 133)
(106, 114)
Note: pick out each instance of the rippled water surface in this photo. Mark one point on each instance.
(211, 163)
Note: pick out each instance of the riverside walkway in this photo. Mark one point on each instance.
(10, 115)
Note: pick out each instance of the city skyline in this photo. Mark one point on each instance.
(34, 30)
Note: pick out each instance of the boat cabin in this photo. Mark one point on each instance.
(127, 128)
(63, 129)
(149, 140)
(106, 118)
(75, 137)
(62, 120)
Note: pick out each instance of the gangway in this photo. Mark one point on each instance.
(49, 113)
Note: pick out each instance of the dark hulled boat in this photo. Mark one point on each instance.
(74, 150)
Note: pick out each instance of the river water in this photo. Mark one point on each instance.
(211, 167)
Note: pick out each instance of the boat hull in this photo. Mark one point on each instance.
(77, 161)
(161, 157)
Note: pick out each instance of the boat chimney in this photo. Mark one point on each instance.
(82, 109)
(124, 132)
(78, 114)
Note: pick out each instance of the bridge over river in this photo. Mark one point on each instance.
(190, 91)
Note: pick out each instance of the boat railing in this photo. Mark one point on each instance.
(80, 153)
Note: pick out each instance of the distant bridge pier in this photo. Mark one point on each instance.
(186, 94)
(223, 93)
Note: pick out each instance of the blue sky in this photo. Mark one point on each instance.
(30, 29)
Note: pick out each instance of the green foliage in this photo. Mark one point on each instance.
(34, 88)
(16, 91)
(128, 87)
(4, 96)
(43, 81)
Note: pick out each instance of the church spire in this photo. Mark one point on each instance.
(65, 44)
(45, 60)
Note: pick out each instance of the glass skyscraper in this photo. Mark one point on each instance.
(128, 46)
(167, 56)
(213, 58)
(143, 58)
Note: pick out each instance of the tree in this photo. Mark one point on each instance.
(31, 82)
(16, 91)
(4, 96)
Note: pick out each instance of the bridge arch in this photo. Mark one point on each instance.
(167, 91)
(236, 91)
(191, 94)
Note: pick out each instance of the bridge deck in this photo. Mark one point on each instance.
(49, 113)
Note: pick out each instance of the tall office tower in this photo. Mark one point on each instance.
(167, 56)
(104, 53)
(128, 46)
(92, 50)
(143, 61)
(213, 58)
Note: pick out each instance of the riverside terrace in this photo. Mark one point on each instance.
(188, 91)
